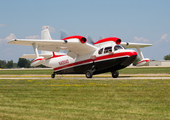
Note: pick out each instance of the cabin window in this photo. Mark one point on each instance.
(118, 47)
(108, 49)
(100, 51)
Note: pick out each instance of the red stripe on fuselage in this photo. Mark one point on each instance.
(110, 56)
(116, 55)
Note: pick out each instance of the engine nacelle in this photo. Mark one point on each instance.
(143, 62)
(38, 61)
(81, 38)
(114, 39)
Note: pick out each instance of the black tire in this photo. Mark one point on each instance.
(115, 74)
(53, 75)
(89, 74)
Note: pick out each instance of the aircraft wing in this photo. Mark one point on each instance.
(71, 45)
(134, 45)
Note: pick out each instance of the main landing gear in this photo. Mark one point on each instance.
(115, 74)
(89, 74)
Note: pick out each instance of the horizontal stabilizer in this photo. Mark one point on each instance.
(33, 56)
(38, 61)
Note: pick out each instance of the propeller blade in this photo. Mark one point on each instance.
(90, 40)
(101, 37)
(63, 34)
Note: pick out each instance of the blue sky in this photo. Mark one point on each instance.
(143, 21)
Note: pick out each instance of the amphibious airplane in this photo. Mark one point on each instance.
(80, 57)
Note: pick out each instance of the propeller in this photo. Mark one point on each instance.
(63, 34)
(90, 40)
(101, 37)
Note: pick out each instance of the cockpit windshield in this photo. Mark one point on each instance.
(118, 47)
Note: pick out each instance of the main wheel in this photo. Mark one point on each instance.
(115, 74)
(53, 75)
(89, 74)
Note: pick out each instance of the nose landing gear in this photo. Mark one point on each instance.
(115, 74)
(89, 73)
(53, 75)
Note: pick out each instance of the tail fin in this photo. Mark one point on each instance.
(45, 35)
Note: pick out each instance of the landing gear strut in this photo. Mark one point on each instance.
(53, 75)
(115, 74)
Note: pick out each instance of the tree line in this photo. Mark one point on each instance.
(167, 57)
(22, 63)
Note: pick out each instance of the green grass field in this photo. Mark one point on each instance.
(84, 99)
(145, 70)
(52, 99)
(26, 71)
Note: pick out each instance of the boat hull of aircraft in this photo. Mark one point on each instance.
(100, 67)
(102, 64)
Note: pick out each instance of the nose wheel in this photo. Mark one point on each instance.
(115, 74)
(53, 75)
(89, 74)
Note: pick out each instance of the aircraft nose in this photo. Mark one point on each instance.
(132, 53)
(132, 56)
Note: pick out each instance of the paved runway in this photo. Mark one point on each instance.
(95, 77)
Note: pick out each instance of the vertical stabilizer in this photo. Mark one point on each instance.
(45, 35)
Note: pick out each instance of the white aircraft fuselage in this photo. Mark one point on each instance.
(108, 62)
